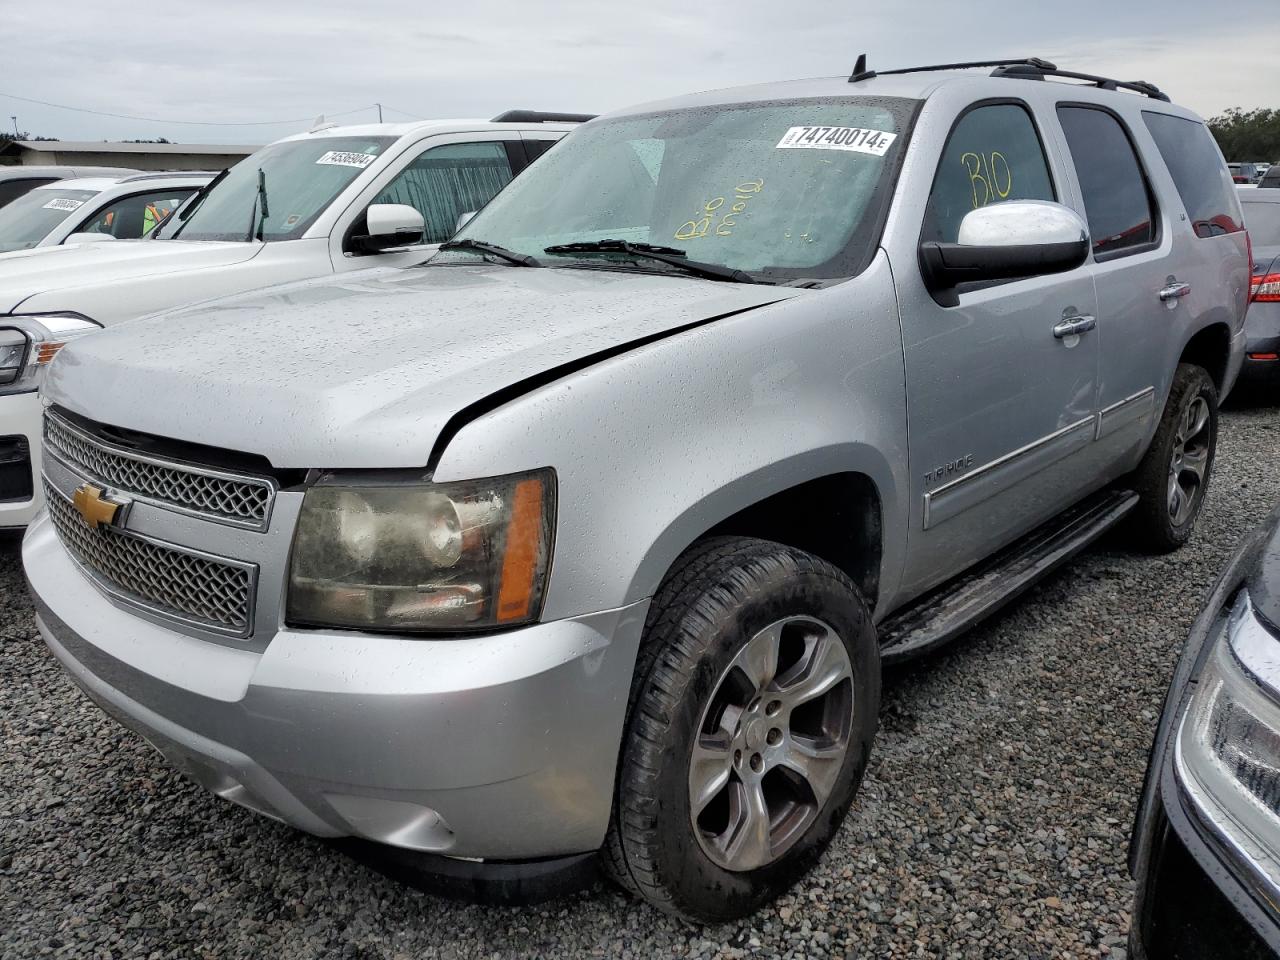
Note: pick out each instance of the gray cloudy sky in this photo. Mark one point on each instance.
(250, 61)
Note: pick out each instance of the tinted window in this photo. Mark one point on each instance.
(993, 154)
(1196, 166)
(448, 181)
(12, 189)
(1117, 201)
(536, 148)
(132, 217)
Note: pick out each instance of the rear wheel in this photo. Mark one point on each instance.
(1174, 475)
(751, 722)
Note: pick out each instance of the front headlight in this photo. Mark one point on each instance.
(1227, 754)
(423, 557)
(29, 342)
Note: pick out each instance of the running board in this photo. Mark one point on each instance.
(949, 610)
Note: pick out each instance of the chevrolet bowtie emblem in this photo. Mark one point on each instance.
(96, 509)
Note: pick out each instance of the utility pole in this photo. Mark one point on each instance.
(15, 126)
(379, 106)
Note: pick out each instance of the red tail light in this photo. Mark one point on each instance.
(1265, 288)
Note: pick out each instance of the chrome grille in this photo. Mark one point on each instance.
(212, 494)
(171, 581)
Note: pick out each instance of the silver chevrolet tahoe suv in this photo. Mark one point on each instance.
(587, 539)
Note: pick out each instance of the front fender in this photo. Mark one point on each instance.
(654, 447)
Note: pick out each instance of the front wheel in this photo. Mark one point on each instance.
(752, 716)
(1173, 477)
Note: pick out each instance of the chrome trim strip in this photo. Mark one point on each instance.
(1004, 460)
(195, 469)
(1115, 408)
(121, 598)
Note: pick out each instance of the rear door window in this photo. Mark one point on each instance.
(448, 181)
(993, 154)
(1198, 172)
(1118, 201)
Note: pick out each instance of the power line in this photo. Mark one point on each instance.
(195, 123)
(413, 116)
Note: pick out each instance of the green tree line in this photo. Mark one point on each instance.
(1248, 135)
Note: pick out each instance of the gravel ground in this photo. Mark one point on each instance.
(994, 822)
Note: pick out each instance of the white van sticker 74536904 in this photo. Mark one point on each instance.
(343, 158)
(854, 139)
(62, 203)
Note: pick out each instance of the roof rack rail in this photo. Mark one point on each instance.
(541, 116)
(1026, 68)
(860, 71)
(1029, 71)
(163, 174)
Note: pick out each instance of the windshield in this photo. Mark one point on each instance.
(300, 179)
(780, 190)
(1263, 223)
(29, 219)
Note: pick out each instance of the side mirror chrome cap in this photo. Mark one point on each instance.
(1005, 241)
(1017, 223)
(391, 225)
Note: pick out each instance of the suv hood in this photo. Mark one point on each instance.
(26, 273)
(366, 370)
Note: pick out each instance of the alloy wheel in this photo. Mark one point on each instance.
(771, 743)
(1189, 463)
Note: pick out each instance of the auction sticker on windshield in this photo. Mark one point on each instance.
(855, 139)
(343, 158)
(62, 203)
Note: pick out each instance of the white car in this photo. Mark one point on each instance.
(17, 180)
(95, 208)
(333, 200)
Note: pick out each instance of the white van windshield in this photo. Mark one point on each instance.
(278, 192)
(29, 219)
(780, 190)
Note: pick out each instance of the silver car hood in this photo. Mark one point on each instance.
(365, 370)
(26, 273)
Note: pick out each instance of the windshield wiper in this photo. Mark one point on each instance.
(258, 218)
(184, 214)
(677, 258)
(466, 243)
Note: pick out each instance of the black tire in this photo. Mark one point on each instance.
(718, 596)
(1153, 525)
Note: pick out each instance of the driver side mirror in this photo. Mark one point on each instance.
(391, 225)
(1005, 241)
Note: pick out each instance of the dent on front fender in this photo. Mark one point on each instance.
(654, 447)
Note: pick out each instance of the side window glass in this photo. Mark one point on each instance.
(132, 217)
(1195, 163)
(446, 182)
(537, 148)
(1117, 200)
(993, 154)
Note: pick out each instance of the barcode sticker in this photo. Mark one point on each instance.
(343, 158)
(62, 203)
(854, 139)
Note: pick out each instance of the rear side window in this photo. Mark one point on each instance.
(1117, 200)
(1198, 172)
(993, 154)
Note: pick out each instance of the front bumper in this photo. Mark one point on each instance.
(495, 747)
(20, 415)
(1190, 903)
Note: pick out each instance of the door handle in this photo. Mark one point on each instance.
(1174, 291)
(1073, 326)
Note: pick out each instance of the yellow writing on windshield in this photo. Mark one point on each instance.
(714, 219)
(990, 177)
